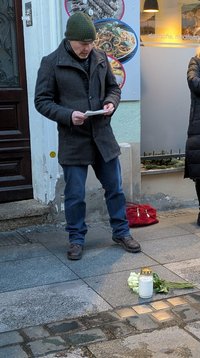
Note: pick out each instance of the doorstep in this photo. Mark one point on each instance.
(23, 213)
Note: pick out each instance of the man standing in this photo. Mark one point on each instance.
(75, 78)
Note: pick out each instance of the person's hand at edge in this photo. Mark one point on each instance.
(78, 118)
(109, 108)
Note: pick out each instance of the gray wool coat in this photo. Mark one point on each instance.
(60, 90)
(192, 152)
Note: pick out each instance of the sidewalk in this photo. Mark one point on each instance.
(52, 307)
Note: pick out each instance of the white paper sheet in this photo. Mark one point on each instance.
(95, 113)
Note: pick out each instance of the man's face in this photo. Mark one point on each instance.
(82, 49)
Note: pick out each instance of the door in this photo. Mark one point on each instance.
(15, 155)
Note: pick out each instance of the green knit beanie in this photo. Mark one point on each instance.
(80, 28)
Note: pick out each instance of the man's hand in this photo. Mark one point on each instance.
(78, 118)
(109, 107)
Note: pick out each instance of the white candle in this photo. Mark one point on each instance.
(145, 285)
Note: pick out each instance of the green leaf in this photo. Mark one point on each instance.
(163, 286)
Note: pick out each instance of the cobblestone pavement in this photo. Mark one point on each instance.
(51, 307)
(124, 332)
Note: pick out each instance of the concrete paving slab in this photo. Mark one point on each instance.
(113, 288)
(186, 313)
(188, 269)
(4, 327)
(191, 227)
(101, 318)
(185, 219)
(85, 337)
(172, 248)
(36, 332)
(194, 328)
(10, 238)
(178, 215)
(33, 272)
(173, 342)
(194, 298)
(73, 353)
(106, 260)
(118, 329)
(98, 235)
(65, 326)
(142, 322)
(10, 338)
(50, 303)
(158, 231)
(56, 241)
(12, 352)
(49, 235)
(41, 348)
(26, 251)
(198, 232)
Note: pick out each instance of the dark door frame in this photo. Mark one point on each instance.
(15, 153)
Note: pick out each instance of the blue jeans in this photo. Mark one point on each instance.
(109, 175)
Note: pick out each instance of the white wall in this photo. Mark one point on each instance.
(41, 39)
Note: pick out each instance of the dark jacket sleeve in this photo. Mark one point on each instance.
(46, 93)
(193, 75)
(112, 90)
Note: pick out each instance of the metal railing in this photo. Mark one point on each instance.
(159, 156)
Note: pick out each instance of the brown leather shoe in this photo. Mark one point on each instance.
(128, 243)
(75, 252)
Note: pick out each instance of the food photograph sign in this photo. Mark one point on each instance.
(117, 25)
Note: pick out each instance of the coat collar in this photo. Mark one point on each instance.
(64, 59)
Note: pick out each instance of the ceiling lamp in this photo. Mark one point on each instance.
(151, 6)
